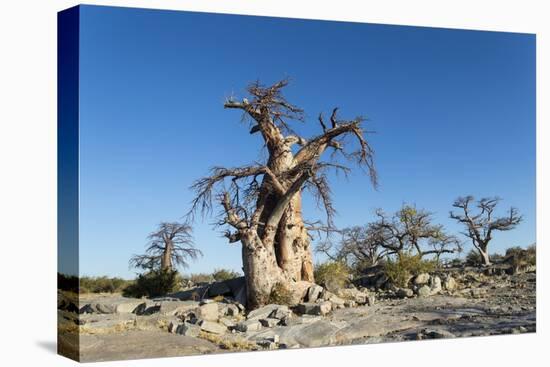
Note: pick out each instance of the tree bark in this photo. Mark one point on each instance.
(484, 254)
(166, 261)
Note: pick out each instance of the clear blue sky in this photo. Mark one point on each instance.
(454, 111)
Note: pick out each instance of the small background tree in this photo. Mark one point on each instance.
(481, 224)
(169, 246)
(411, 231)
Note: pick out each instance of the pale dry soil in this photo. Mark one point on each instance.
(506, 306)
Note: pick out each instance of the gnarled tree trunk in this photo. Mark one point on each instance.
(266, 217)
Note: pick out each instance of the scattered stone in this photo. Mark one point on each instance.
(354, 294)
(371, 299)
(173, 325)
(230, 310)
(423, 291)
(267, 344)
(248, 325)
(280, 313)
(227, 322)
(212, 327)
(349, 303)
(337, 302)
(325, 307)
(269, 322)
(435, 334)
(477, 292)
(404, 293)
(435, 285)
(188, 329)
(422, 279)
(71, 307)
(313, 293)
(309, 308)
(171, 308)
(449, 284)
(208, 311)
(267, 311)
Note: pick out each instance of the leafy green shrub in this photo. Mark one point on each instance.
(518, 257)
(220, 275)
(532, 254)
(455, 262)
(400, 270)
(102, 284)
(332, 274)
(473, 258)
(496, 258)
(280, 295)
(154, 283)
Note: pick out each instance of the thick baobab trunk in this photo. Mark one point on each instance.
(283, 257)
(293, 245)
(260, 269)
(166, 261)
(286, 260)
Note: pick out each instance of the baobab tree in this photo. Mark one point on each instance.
(411, 230)
(481, 225)
(169, 246)
(262, 203)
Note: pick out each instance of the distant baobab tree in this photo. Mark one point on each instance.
(262, 203)
(481, 225)
(169, 246)
(411, 230)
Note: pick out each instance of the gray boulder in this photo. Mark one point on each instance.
(212, 327)
(170, 308)
(404, 293)
(321, 308)
(435, 284)
(424, 291)
(208, 311)
(449, 284)
(248, 325)
(266, 344)
(422, 279)
(271, 310)
(269, 322)
(188, 329)
(313, 293)
(230, 309)
(219, 289)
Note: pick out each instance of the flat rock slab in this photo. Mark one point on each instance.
(110, 304)
(372, 327)
(141, 344)
(315, 334)
(171, 308)
(265, 311)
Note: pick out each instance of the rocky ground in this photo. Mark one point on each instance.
(445, 305)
